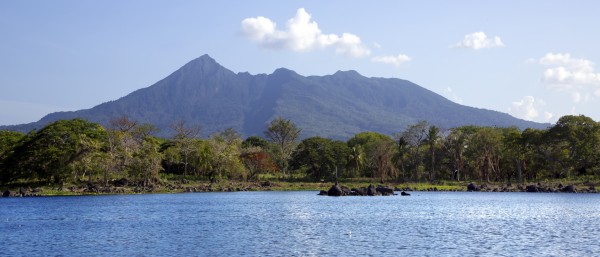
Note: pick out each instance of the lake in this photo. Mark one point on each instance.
(302, 224)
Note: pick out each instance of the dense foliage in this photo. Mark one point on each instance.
(77, 150)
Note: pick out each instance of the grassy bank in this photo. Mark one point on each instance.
(176, 185)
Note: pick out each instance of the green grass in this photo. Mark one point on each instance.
(296, 183)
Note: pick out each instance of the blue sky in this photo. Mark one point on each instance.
(533, 59)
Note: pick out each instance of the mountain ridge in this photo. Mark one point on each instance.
(336, 106)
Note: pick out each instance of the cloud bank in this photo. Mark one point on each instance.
(529, 109)
(301, 34)
(391, 59)
(479, 40)
(573, 75)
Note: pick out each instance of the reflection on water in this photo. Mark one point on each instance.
(302, 224)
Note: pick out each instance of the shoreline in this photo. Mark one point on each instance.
(120, 187)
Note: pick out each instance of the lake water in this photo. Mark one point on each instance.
(302, 224)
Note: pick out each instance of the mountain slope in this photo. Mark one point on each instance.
(336, 106)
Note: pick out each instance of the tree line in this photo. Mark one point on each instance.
(77, 150)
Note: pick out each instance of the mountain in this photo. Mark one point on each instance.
(335, 106)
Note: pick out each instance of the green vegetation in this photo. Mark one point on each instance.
(77, 153)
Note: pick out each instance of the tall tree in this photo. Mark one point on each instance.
(184, 141)
(51, 153)
(283, 134)
(323, 158)
(257, 161)
(226, 148)
(433, 135)
(367, 143)
(415, 135)
(356, 160)
(455, 144)
(381, 156)
(578, 136)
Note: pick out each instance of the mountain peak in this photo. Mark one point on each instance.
(203, 65)
(204, 60)
(348, 73)
(204, 92)
(282, 71)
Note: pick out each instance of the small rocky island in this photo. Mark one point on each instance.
(337, 190)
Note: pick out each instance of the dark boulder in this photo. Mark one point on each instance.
(323, 192)
(92, 188)
(121, 182)
(359, 191)
(385, 190)
(346, 190)
(335, 190)
(472, 187)
(371, 191)
(531, 189)
(404, 193)
(7, 193)
(569, 189)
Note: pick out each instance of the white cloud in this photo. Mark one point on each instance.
(529, 108)
(391, 59)
(524, 109)
(377, 45)
(479, 40)
(576, 76)
(301, 34)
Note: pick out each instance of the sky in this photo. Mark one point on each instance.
(535, 60)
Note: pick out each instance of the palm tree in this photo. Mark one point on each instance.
(357, 158)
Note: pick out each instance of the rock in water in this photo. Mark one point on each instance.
(531, 189)
(569, 189)
(335, 190)
(472, 187)
(371, 191)
(385, 190)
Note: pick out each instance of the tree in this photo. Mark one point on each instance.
(514, 149)
(433, 135)
(356, 160)
(455, 144)
(381, 158)
(415, 135)
(282, 134)
(52, 153)
(485, 152)
(257, 161)
(226, 149)
(254, 141)
(578, 137)
(322, 157)
(9, 140)
(400, 157)
(146, 161)
(365, 144)
(184, 142)
(121, 143)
